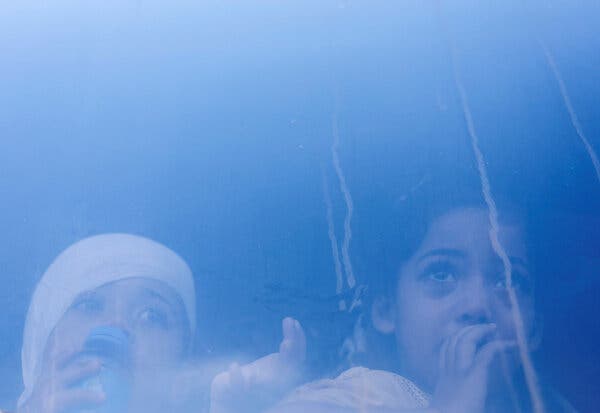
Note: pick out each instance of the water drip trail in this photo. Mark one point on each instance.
(569, 107)
(334, 245)
(530, 374)
(350, 279)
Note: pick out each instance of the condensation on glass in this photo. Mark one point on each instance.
(287, 207)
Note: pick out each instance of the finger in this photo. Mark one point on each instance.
(76, 373)
(226, 383)
(56, 361)
(468, 342)
(488, 352)
(60, 359)
(78, 398)
(452, 344)
(293, 345)
(237, 378)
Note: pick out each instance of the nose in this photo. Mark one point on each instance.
(474, 303)
(117, 315)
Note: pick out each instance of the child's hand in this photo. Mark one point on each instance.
(256, 386)
(59, 389)
(464, 361)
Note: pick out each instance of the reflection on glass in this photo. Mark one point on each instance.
(427, 212)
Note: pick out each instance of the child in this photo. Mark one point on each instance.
(111, 324)
(138, 292)
(448, 313)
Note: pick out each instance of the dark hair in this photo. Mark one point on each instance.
(397, 224)
(395, 228)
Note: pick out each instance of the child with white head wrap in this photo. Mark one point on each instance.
(85, 266)
(93, 263)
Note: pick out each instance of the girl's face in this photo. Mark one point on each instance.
(453, 280)
(148, 311)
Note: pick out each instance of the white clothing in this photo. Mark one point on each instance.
(360, 389)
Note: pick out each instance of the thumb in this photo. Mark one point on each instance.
(293, 345)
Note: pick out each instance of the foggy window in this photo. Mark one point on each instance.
(321, 206)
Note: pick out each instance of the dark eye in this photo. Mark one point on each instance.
(520, 282)
(89, 304)
(439, 278)
(441, 272)
(442, 276)
(154, 317)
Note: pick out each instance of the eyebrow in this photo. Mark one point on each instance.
(451, 252)
(86, 295)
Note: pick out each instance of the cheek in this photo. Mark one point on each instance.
(421, 325)
(505, 319)
(68, 336)
(420, 333)
(157, 347)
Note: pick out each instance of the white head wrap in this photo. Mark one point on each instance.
(89, 264)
